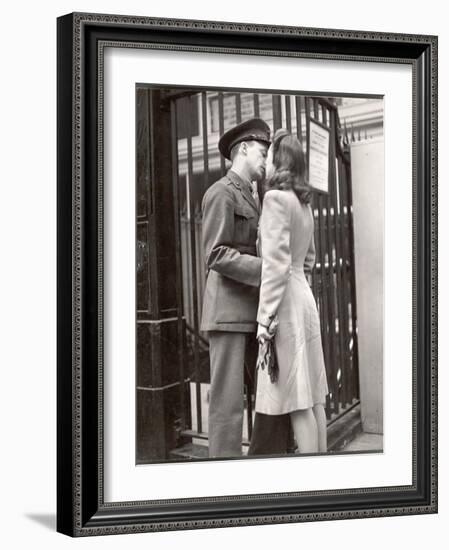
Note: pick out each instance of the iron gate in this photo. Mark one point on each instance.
(199, 118)
(177, 136)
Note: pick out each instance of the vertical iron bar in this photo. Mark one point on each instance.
(353, 282)
(331, 308)
(307, 114)
(238, 108)
(200, 258)
(331, 295)
(330, 218)
(298, 118)
(316, 284)
(315, 108)
(288, 113)
(329, 272)
(277, 112)
(205, 143)
(221, 129)
(344, 281)
(325, 300)
(205, 186)
(338, 254)
(256, 105)
(185, 254)
(349, 273)
(193, 266)
(324, 115)
(179, 294)
(315, 197)
(314, 276)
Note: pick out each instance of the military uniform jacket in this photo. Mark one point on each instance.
(230, 220)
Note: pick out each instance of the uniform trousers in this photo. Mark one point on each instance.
(227, 357)
(228, 351)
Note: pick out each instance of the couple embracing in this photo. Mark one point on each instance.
(257, 259)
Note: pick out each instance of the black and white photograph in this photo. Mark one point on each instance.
(223, 300)
(259, 273)
(246, 274)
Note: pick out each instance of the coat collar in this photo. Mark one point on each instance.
(244, 187)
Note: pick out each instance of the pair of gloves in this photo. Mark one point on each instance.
(266, 357)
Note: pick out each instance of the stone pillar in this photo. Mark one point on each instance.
(161, 391)
(367, 168)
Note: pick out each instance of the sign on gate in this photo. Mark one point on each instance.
(319, 156)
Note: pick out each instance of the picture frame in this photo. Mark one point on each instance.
(81, 507)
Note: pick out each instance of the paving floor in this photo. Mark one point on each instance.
(365, 442)
(362, 442)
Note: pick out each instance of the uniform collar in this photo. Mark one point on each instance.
(237, 179)
(245, 187)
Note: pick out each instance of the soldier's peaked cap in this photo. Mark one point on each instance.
(254, 129)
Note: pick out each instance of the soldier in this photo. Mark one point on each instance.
(231, 212)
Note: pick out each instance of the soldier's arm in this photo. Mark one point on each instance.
(218, 236)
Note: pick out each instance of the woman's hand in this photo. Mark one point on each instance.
(263, 334)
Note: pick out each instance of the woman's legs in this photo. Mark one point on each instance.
(306, 430)
(321, 422)
(310, 428)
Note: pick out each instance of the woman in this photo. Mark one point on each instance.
(288, 253)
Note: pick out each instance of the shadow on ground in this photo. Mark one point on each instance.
(47, 520)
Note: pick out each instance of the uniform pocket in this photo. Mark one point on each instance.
(243, 222)
(236, 302)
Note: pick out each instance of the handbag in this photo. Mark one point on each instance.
(266, 357)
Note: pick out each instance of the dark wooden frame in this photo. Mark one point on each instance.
(81, 510)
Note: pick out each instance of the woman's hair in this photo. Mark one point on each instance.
(289, 166)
